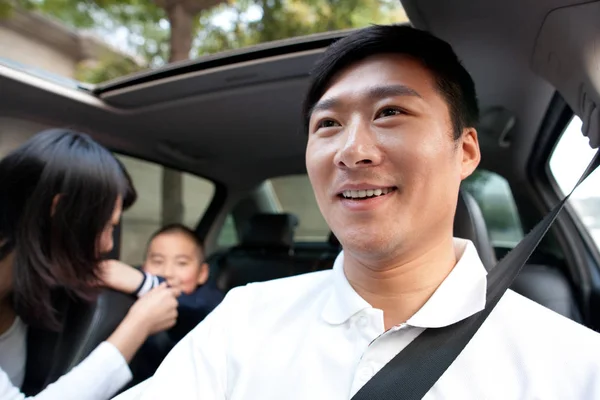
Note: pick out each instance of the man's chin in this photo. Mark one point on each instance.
(372, 245)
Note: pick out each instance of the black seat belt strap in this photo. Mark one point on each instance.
(415, 369)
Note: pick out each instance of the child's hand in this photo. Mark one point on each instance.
(152, 313)
(120, 276)
(157, 310)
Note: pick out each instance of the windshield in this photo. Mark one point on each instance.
(94, 41)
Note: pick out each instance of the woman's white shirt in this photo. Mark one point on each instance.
(98, 377)
(13, 352)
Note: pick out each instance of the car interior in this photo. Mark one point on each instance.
(234, 119)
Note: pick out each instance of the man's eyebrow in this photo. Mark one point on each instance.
(324, 105)
(383, 91)
(373, 93)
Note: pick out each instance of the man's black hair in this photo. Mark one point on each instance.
(453, 81)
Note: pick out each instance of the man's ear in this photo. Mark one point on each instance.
(471, 155)
(204, 273)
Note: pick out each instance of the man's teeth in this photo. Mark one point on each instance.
(361, 194)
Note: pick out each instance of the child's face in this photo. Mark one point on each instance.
(177, 258)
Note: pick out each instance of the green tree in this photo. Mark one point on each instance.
(5, 8)
(281, 19)
(107, 67)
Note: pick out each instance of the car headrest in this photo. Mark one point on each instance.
(470, 224)
(272, 231)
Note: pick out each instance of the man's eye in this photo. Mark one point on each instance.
(389, 112)
(327, 123)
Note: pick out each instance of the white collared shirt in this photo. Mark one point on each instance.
(313, 337)
(13, 352)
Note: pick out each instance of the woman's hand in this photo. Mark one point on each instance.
(154, 312)
(120, 276)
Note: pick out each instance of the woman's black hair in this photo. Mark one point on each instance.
(57, 194)
(130, 196)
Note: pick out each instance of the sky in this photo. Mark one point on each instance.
(571, 157)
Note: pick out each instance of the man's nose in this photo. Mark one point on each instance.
(359, 147)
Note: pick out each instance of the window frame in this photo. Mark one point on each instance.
(581, 260)
(204, 223)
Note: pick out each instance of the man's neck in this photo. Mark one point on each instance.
(400, 288)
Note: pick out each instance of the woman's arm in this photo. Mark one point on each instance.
(127, 279)
(100, 375)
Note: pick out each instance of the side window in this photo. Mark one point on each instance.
(493, 194)
(296, 196)
(145, 217)
(228, 236)
(569, 159)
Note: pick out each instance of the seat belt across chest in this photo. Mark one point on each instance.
(415, 369)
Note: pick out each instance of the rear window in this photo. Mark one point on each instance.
(295, 195)
(147, 214)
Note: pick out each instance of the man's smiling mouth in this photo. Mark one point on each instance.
(366, 193)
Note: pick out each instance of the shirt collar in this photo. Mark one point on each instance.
(343, 301)
(459, 296)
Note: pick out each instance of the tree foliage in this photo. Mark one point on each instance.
(156, 30)
(282, 19)
(108, 67)
(7, 6)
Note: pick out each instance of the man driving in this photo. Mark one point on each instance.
(390, 117)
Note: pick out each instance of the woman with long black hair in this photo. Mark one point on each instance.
(61, 194)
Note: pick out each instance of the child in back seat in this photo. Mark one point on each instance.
(174, 255)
